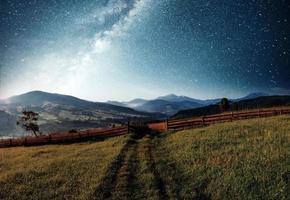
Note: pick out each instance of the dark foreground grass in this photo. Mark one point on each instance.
(56, 171)
(247, 159)
(133, 175)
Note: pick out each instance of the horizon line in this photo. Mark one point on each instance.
(178, 95)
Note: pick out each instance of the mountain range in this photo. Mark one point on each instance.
(62, 112)
(59, 112)
(171, 104)
(240, 104)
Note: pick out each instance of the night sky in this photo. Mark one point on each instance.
(122, 49)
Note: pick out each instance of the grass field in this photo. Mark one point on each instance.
(247, 159)
(56, 171)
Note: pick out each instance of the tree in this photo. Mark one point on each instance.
(224, 104)
(28, 121)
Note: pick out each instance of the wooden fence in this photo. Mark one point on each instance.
(56, 138)
(179, 124)
(99, 133)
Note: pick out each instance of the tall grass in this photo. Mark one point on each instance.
(56, 171)
(247, 159)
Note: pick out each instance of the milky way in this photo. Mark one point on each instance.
(121, 49)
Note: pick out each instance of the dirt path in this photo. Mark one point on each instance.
(119, 179)
(158, 182)
(133, 174)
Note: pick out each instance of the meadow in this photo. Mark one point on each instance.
(56, 171)
(246, 159)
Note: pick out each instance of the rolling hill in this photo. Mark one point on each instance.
(61, 112)
(171, 104)
(259, 102)
(180, 99)
(166, 107)
(247, 159)
(130, 104)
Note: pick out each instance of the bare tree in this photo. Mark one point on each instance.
(28, 121)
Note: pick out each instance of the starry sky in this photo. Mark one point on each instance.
(123, 49)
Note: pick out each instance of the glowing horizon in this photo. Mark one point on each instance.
(121, 50)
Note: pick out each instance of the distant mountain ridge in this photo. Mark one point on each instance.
(130, 104)
(171, 104)
(252, 96)
(175, 98)
(39, 98)
(62, 112)
(253, 103)
(166, 107)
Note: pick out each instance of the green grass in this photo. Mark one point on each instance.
(56, 171)
(247, 159)
(132, 175)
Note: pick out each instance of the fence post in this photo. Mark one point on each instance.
(232, 117)
(10, 142)
(202, 120)
(128, 127)
(49, 138)
(166, 124)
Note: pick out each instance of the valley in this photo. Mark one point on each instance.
(59, 113)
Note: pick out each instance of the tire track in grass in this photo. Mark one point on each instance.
(132, 183)
(158, 182)
(125, 181)
(119, 181)
(170, 169)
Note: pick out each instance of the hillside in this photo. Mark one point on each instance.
(56, 171)
(259, 102)
(62, 113)
(176, 98)
(7, 123)
(171, 104)
(248, 159)
(166, 107)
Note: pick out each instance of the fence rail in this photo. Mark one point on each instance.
(56, 138)
(177, 124)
